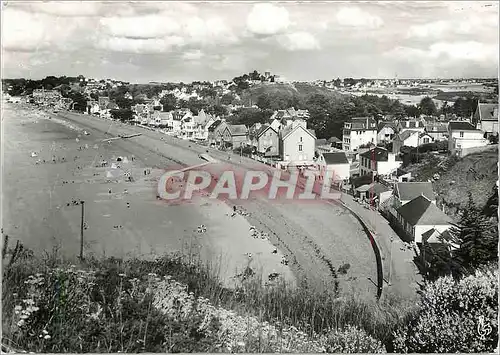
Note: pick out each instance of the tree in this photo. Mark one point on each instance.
(226, 99)
(412, 111)
(217, 110)
(79, 101)
(427, 106)
(477, 238)
(169, 102)
(263, 102)
(123, 115)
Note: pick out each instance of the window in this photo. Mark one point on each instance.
(461, 134)
(300, 147)
(426, 140)
(301, 139)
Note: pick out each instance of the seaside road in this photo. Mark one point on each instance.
(317, 237)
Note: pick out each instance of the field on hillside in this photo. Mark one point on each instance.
(301, 90)
(476, 173)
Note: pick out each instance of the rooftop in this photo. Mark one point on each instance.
(335, 158)
(409, 190)
(238, 129)
(406, 134)
(461, 126)
(421, 211)
(487, 112)
(377, 154)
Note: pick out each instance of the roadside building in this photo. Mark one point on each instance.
(378, 161)
(463, 135)
(297, 143)
(235, 136)
(336, 163)
(404, 192)
(415, 124)
(386, 132)
(437, 130)
(359, 131)
(265, 139)
(421, 215)
(486, 118)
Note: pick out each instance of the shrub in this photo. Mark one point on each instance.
(454, 316)
(352, 340)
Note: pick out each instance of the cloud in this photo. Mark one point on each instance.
(149, 26)
(193, 55)
(355, 17)
(432, 29)
(63, 9)
(297, 41)
(140, 46)
(456, 51)
(24, 31)
(267, 19)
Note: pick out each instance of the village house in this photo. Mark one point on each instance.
(400, 175)
(486, 118)
(106, 112)
(386, 132)
(374, 192)
(335, 142)
(188, 127)
(437, 130)
(410, 138)
(416, 124)
(359, 131)
(297, 143)
(419, 216)
(213, 132)
(103, 102)
(404, 192)
(234, 136)
(265, 139)
(46, 97)
(92, 107)
(463, 135)
(336, 163)
(378, 161)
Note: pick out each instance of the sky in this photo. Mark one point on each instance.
(196, 41)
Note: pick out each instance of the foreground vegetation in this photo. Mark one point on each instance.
(174, 304)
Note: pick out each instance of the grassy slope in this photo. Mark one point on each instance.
(302, 90)
(457, 178)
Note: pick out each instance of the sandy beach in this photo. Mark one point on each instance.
(122, 219)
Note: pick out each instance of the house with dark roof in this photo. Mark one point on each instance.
(486, 118)
(235, 136)
(378, 161)
(404, 192)
(359, 131)
(215, 133)
(463, 135)
(297, 143)
(386, 132)
(414, 124)
(437, 130)
(335, 163)
(419, 216)
(265, 139)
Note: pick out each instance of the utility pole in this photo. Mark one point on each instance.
(81, 229)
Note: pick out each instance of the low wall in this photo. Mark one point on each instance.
(466, 151)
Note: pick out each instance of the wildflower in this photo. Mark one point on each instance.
(45, 332)
(122, 275)
(47, 337)
(21, 323)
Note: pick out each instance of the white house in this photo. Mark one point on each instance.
(404, 192)
(417, 124)
(463, 135)
(410, 138)
(437, 130)
(421, 215)
(486, 118)
(297, 143)
(378, 161)
(386, 132)
(359, 131)
(335, 162)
